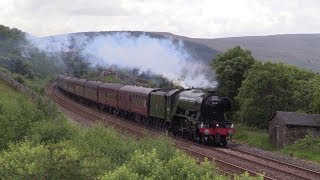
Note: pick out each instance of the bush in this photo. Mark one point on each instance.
(20, 79)
(52, 131)
(108, 142)
(123, 173)
(148, 165)
(49, 109)
(16, 117)
(24, 161)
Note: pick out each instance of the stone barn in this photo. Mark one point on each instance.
(287, 127)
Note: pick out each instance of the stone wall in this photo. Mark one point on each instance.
(277, 132)
(17, 85)
(294, 133)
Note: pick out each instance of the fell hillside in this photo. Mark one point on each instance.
(301, 50)
(198, 51)
(296, 49)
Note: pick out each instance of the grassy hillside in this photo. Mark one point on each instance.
(18, 56)
(301, 50)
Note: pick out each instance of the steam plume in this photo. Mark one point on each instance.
(161, 56)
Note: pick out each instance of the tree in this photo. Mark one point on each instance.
(231, 68)
(271, 87)
(315, 96)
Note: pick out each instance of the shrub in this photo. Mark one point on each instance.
(148, 165)
(19, 79)
(24, 161)
(16, 117)
(108, 142)
(52, 131)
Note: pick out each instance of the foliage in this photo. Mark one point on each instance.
(20, 79)
(231, 68)
(46, 106)
(246, 176)
(271, 87)
(147, 165)
(17, 114)
(253, 136)
(315, 94)
(91, 158)
(308, 148)
(20, 57)
(52, 131)
(24, 161)
(112, 79)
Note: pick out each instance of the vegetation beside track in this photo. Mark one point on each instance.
(253, 137)
(307, 148)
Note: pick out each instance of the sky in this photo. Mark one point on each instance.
(192, 18)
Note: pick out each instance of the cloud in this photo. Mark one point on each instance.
(203, 18)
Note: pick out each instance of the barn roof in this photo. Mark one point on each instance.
(298, 119)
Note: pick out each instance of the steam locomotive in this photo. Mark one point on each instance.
(189, 113)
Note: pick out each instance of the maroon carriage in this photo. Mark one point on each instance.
(108, 94)
(134, 99)
(63, 82)
(78, 86)
(91, 90)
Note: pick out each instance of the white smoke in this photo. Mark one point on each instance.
(160, 56)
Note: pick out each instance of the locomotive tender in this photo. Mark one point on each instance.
(189, 113)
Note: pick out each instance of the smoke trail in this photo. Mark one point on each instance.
(159, 55)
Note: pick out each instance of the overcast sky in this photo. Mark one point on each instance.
(193, 18)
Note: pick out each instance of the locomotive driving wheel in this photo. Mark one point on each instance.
(223, 141)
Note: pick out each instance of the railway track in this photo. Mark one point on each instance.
(307, 173)
(229, 161)
(270, 165)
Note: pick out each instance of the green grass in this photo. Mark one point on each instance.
(7, 90)
(253, 137)
(38, 84)
(307, 148)
(112, 79)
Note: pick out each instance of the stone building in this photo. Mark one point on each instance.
(287, 127)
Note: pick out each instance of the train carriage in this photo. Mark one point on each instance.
(135, 99)
(91, 90)
(71, 85)
(108, 94)
(77, 86)
(63, 82)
